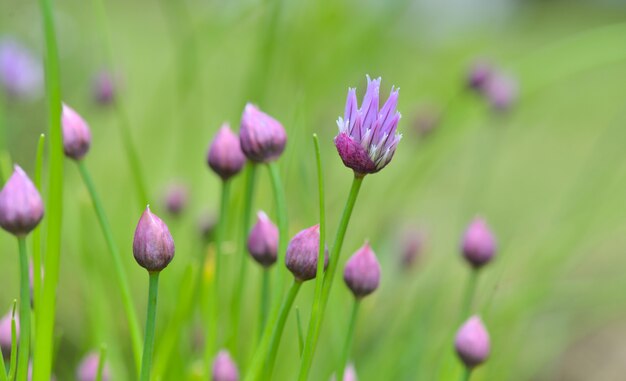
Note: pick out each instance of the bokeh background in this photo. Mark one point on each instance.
(547, 174)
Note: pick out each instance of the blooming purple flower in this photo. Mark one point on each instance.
(153, 245)
(263, 241)
(76, 134)
(362, 272)
(104, 87)
(225, 156)
(302, 254)
(88, 368)
(176, 197)
(501, 91)
(478, 244)
(224, 368)
(367, 137)
(21, 207)
(5, 333)
(262, 137)
(472, 342)
(21, 74)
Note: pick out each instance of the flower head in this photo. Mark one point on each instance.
(472, 342)
(5, 333)
(349, 374)
(362, 272)
(479, 244)
(263, 241)
(413, 245)
(21, 74)
(88, 368)
(104, 88)
(21, 207)
(225, 156)
(262, 137)
(224, 368)
(479, 74)
(367, 136)
(501, 91)
(176, 197)
(302, 254)
(76, 134)
(153, 245)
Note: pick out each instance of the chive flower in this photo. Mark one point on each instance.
(263, 241)
(367, 136)
(349, 374)
(472, 342)
(88, 368)
(104, 87)
(501, 91)
(412, 249)
(176, 197)
(302, 254)
(362, 272)
(21, 207)
(479, 244)
(224, 368)
(262, 137)
(5, 334)
(479, 74)
(21, 75)
(76, 134)
(153, 245)
(225, 156)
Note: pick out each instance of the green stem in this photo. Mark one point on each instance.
(265, 298)
(101, 362)
(13, 360)
(148, 346)
(317, 314)
(281, 209)
(120, 273)
(37, 230)
(243, 264)
(300, 334)
(467, 373)
(468, 299)
(349, 337)
(24, 345)
(280, 326)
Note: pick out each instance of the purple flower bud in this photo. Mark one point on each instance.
(362, 272)
(349, 374)
(479, 74)
(302, 253)
(21, 207)
(501, 91)
(153, 245)
(21, 74)
(225, 156)
(88, 368)
(263, 241)
(104, 88)
(367, 136)
(76, 134)
(206, 225)
(262, 137)
(426, 120)
(412, 247)
(176, 198)
(472, 342)
(5, 333)
(224, 368)
(478, 245)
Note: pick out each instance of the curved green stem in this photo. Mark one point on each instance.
(37, 230)
(148, 346)
(265, 298)
(23, 350)
(317, 315)
(13, 360)
(349, 337)
(468, 299)
(280, 326)
(281, 209)
(122, 281)
(467, 373)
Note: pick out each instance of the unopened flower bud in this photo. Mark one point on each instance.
(478, 245)
(349, 374)
(21, 74)
(472, 342)
(262, 137)
(104, 88)
(501, 91)
(76, 134)
(412, 248)
(302, 254)
(21, 207)
(362, 272)
(479, 74)
(88, 368)
(224, 368)
(176, 198)
(5, 333)
(153, 245)
(225, 156)
(263, 241)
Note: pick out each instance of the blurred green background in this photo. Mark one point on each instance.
(548, 175)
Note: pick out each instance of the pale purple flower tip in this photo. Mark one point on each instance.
(225, 156)
(263, 241)
(479, 74)
(362, 272)
(367, 136)
(501, 91)
(349, 374)
(104, 88)
(153, 245)
(262, 137)
(472, 342)
(76, 134)
(224, 368)
(302, 254)
(479, 244)
(88, 368)
(412, 247)
(21, 207)
(21, 74)
(176, 197)
(5, 333)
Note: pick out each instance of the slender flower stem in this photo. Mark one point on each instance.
(148, 346)
(349, 337)
(265, 299)
(243, 264)
(300, 334)
(24, 346)
(470, 290)
(101, 361)
(13, 360)
(280, 326)
(317, 315)
(37, 231)
(122, 281)
(467, 373)
(281, 208)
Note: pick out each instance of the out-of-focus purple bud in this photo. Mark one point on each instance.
(225, 156)
(88, 368)
(5, 333)
(104, 87)
(479, 244)
(224, 368)
(21, 207)
(263, 241)
(426, 120)
(479, 74)
(176, 197)
(501, 91)
(302, 253)
(349, 374)
(472, 342)
(206, 225)
(21, 74)
(412, 249)
(153, 245)
(262, 137)
(367, 136)
(76, 134)
(362, 272)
